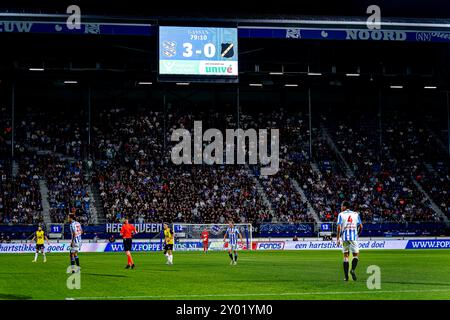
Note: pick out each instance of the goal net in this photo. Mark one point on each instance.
(188, 236)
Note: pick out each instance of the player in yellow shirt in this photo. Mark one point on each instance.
(40, 237)
(168, 243)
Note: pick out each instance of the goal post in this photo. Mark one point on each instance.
(188, 236)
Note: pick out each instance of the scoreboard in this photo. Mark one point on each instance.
(198, 51)
(325, 227)
(56, 228)
(56, 231)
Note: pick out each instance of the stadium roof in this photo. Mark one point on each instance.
(272, 20)
(233, 8)
(91, 57)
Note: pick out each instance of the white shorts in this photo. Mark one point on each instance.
(232, 247)
(351, 246)
(76, 248)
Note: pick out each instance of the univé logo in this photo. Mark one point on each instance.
(219, 69)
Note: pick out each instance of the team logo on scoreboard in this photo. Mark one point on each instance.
(227, 50)
(169, 48)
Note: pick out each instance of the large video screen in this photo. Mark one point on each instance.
(196, 51)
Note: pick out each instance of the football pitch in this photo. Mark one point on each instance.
(418, 274)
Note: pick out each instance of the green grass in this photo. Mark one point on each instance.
(418, 274)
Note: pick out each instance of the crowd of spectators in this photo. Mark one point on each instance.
(67, 188)
(5, 133)
(20, 197)
(50, 131)
(437, 185)
(382, 167)
(135, 177)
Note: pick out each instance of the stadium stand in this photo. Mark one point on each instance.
(20, 198)
(135, 180)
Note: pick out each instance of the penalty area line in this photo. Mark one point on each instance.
(253, 294)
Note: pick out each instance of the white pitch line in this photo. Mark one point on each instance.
(258, 294)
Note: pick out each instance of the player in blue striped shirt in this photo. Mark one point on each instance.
(75, 245)
(349, 227)
(232, 233)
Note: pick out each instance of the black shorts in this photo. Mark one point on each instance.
(168, 247)
(40, 247)
(127, 244)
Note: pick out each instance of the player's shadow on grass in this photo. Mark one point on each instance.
(106, 275)
(5, 296)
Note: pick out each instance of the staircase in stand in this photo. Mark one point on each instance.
(348, 171)
(311, 210)
(45, 204)
(15, 169)
(262, 194)
(434, 206)
(96, 211)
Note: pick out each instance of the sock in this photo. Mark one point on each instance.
(44, 255)
(231, 256)
(77, 261)
(346, 264)
(130, 259)
(72, 261)
(354, 262)
(171, 258)
(235, 257)
(35, 256)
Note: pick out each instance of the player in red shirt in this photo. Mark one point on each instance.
(127, 232)
(205, 240)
